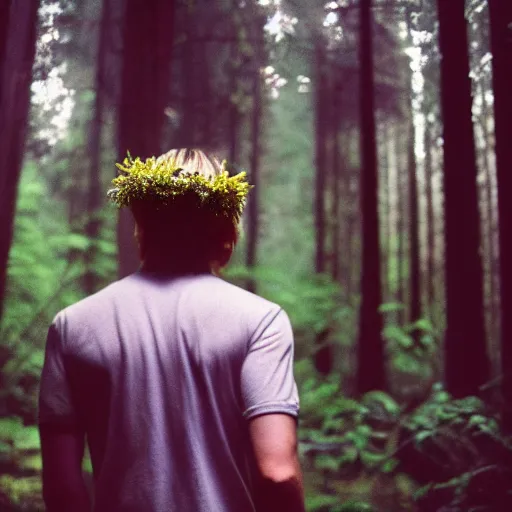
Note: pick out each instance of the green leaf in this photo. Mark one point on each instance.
(10, 428)
(372, 459)
(421, 436)
(27, 439)
(422, 325)
(391, 307)
(320, 502)
(326, 462)
(383, 399)
(389, 465)
(397, 334)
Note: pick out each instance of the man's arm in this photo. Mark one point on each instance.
(63, 484)
(274, 440)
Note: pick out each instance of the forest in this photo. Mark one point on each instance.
(377, 135)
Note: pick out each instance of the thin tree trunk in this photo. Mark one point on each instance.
(390, 231)
(94, 193)
(490, 207)
(467, 365)
(234, 113)
(386, 214)
(320, 156)
(147, 37)
(431, 247)
(336, 176)
(5, 6)
(401, 206)
(349, 204)
(371, 357)
(501, 44)
(254, 161)
(414, 234)
(15, 79)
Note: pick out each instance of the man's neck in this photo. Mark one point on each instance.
(170, 266)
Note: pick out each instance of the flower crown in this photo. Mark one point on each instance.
(161, 181)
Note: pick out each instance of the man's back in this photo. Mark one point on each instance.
(161, 372)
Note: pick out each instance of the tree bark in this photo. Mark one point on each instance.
(234, 112)
(414, 234)
(147, 37)
(489, 234)
(253, 219)
(431, 240)
(501, 45)
(401, 224)
(15, 79)
(336, 170)
(320, 155)
(371, 357)
(94, 193)
(5, 6)
(467, 365)
(386, 215)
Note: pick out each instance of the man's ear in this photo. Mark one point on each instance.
(223, 258)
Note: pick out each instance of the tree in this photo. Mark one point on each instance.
(501, 44)
(466, 358)
(147, 42)
(321, 123)
(371, 356)
(15, 78)
(4, 26)
(256, 149)
(414, 235)
(94, 193)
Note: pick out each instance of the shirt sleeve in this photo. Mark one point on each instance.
(268, 384)
(55, 402)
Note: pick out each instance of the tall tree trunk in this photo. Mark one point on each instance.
(488, 186)
(414, 232)
(320, 154)
(386, 213)
(253, 219)
(501, 45)
(5, 6)
(431, 240)
(234, 112)
(94, 193)
(401, 225)
(336, 170)
(190, 112)
(467, 364)
(147, 36)
(323, 129)
(371, 357)
(390, 229)
(15, 79)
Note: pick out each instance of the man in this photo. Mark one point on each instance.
(181, 382)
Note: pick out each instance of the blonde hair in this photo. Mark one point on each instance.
(192, 161)
(182, 230)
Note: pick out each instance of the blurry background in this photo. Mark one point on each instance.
(377, 135)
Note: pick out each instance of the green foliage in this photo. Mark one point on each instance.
(341, 436)
(412, 348)
(456, 449)
(313, 302)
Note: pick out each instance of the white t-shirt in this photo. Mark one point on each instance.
(161, 373)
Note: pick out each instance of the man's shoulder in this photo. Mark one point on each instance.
(219, 291)
(96, 304)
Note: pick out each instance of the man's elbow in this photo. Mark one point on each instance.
(282, 471)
